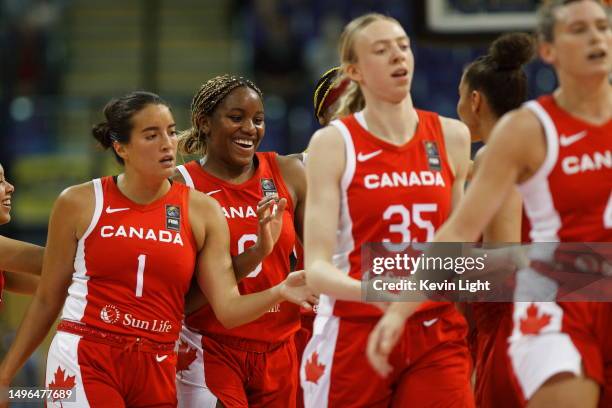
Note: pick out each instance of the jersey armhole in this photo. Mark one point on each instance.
(186, 176)
(349, 153)
(552, 147)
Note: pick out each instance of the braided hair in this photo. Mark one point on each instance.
(204, 103)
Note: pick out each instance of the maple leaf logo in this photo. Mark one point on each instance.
(61, 381)
(533, 323)
(314, 370)
(186, 356)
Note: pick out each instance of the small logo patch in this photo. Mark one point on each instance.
(433, 155)
(268, 187)
(110, 314)
(173, 217)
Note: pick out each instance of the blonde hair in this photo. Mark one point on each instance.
(352, 99)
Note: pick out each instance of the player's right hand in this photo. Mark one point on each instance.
(270, 216)
(294, 289)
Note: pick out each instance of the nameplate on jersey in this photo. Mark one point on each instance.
(268, 187)
(173, 217)
(433, 155)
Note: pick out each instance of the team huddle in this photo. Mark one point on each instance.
(234, 280)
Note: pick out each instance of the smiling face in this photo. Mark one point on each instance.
(236, 128)
(151, 150)
(582, 40)
(6, 191)
(384, 62)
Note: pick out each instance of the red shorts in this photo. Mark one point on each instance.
(550, 338)
(238, 372)
(431, 364)
(495, 385)
(108, 373)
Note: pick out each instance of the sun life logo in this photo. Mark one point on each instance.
(110, 314)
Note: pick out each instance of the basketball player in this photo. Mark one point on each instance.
(491, 86)
(348, 206)
(557, 150)
(255, 364)
(24, 260)
(130, 245)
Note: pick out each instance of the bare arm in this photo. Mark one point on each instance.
(294, 175)
(216, 277)
(24, 284)
(324, 167)
(19, 256)
(244, 263)
(505, 226)
(65, 226)
(457, 140)
(515, 151)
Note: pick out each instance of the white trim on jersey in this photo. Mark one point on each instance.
(74, 309)
(186, 176)
(536, 358)
(344, 241)
(537, 197)
(361, 119)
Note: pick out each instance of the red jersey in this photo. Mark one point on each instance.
(389, 193)
(239, 204)
(569, 199)
(134, 264)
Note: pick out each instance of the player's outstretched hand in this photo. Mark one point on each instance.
(294, 289)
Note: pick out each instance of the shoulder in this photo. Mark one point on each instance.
(523, 122)
(519, 131)
(327, 141)
(518, 138)
(74, 208)
(456, 133)
(201, 203)
(300, 156)
(290, 164)
(458, 143)
(293, 172)
(77, 197)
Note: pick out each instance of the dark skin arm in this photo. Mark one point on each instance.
(22, 257)
(294, 174)
(269, 227)
(69, 219)
(20, 283)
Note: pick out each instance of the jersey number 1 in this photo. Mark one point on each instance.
(142, 260)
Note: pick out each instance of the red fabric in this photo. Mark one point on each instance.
(431, 365)
(239, 203)
(129, 238)
(242, 378)
(393, 188)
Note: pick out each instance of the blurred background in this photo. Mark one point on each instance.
(61, 60)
